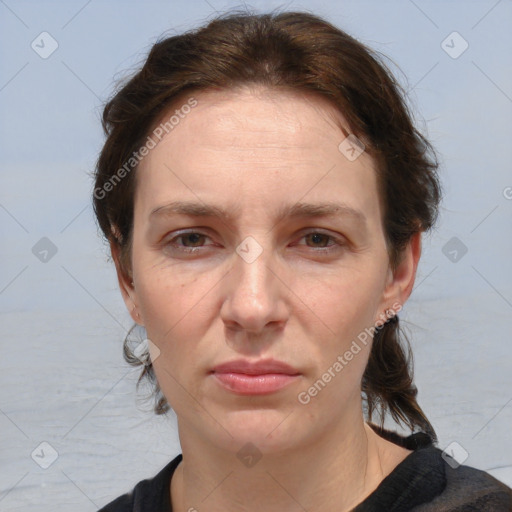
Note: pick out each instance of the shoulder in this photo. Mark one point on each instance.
(122, 504)
(148, 495)
(428, 480)
(469, 489)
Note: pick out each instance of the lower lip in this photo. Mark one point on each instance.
(244, 384)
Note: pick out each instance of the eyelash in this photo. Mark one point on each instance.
(194, 250)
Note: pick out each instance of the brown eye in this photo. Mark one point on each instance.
(194, 238)
(323, 242)
(318, 239)
(191, 242)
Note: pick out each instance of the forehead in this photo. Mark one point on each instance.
(254, 145)
(264, 111)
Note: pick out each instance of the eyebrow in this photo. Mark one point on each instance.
(298, 210)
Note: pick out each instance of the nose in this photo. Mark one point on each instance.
(255, 292)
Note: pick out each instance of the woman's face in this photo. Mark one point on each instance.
(247, 266)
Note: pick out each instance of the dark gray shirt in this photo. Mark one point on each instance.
(422, 482)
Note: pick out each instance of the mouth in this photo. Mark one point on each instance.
(255, 378)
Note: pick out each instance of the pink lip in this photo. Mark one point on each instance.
(259, 378)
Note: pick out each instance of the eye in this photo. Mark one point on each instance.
(320, 241)
(192, 240)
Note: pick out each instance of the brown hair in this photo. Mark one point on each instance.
(302, 52)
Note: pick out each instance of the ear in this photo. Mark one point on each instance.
(125, 285)
(400, 283)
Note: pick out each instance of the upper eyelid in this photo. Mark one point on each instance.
(190, 232)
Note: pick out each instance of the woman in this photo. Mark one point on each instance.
(264, 193)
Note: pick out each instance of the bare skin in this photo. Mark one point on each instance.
(382, 456)
(254, 152)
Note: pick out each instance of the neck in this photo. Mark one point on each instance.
(334, 473)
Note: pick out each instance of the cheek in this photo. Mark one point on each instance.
(166, 293)
(346, 307)
(167, 305)
(176, 305)
(340, 344)
(345, 299)
(170, 308)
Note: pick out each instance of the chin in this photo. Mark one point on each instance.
(270, 430)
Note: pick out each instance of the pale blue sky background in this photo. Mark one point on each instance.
(50, 133)
(62, 374)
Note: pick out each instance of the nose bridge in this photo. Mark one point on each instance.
(252, 290)
(252, 267)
